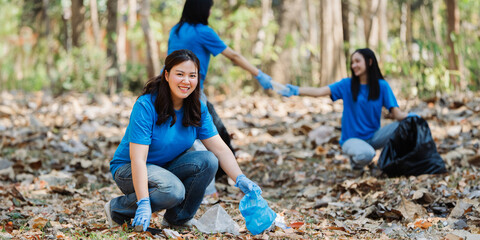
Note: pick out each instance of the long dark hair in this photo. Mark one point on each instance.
(163, 104)
(373, 75)
(194, 12)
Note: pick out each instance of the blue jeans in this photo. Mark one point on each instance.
(361, 152)
(178, 187)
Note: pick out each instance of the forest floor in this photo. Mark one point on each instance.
(55, 179)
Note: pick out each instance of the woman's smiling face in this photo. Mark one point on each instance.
(182, 79)
(359, 66)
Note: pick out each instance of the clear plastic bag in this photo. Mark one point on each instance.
(258, 215)
(217, 220)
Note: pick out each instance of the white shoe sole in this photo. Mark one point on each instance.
(108, 215)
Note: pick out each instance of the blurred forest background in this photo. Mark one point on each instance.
(110, 46)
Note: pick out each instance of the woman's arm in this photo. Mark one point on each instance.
(239, 60)
(225, 156)
(314, 92)
(397, 114)
(138, 156)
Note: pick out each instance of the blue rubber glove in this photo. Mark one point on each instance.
(291, 90)
(412, 114)
(246, 185)
(264, 80)
(143, 213)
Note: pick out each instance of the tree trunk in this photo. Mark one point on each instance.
(48, 35)
(346, 24)
(132, 20)
(429, 32)
(453, 27)
(406, 29)
(382, 46)
(95, 23)
(261, 35)
(66, 25)
(373, 13)
(332, 58)
(437, 24)
(121, 40)
(78, 26)
(288, 21)
(409, 35)
(113, 75)
(153, 64)
(313, 18)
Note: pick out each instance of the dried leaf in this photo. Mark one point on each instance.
(423, 224)
(9, 227)
(475, 160)
(411, 210)
(296, 224)
(61, 190)
(321, 135)
(320, 151)
(336, 228)
(461, 208)
(451, 236)
(38, 222)
(172, 234)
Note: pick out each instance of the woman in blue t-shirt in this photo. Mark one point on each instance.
(152, 166)
(192, 32)
(364, 95)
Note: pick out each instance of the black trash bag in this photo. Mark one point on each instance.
(411, 151)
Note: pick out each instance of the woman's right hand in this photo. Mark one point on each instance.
(143, 213)
(291, 90)
(246, 185)
(264, 80)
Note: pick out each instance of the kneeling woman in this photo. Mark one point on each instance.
(152, 166)
(364, 95)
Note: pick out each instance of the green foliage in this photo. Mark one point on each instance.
(468, 42)
(135, 77)
(86, 234)
(422, 75)
(31, 59)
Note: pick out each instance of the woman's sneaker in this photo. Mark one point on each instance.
(108, 215)
(189, 223)
(211, 199)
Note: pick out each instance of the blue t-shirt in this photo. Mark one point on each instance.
(165, 142)
(361, 119)
(201, 40)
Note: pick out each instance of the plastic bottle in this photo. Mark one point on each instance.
(278, 87)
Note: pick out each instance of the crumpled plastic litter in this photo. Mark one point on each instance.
(280, 222)
(217, 220)
(171, 234)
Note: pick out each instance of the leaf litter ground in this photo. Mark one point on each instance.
(55, 175)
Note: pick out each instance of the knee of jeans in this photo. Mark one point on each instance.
(168, 197)
(209, 162)
(364, 157)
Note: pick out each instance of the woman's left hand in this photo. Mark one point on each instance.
(397, 114)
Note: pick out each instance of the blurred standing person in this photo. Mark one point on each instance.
(193, 33)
